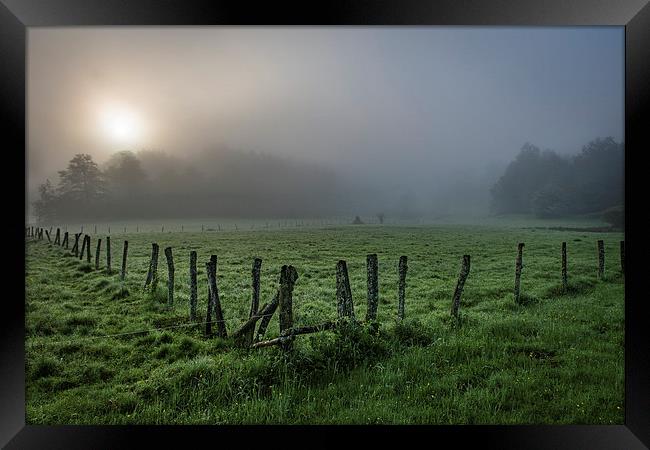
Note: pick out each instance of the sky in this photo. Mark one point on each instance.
(418, 108)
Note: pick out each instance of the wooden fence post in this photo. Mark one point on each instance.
(170, 279)
(152, 275)
(462, 277)
(65, 240)
(47, 234)
(255, 297)
(75, 247)
(288, 277)
(601, 259)
(88, 249)
(193, 290)
(518, 267)
(345, 306)
(622, 246)
(565, 283)
(57, 239)
(124, 253)
(402, 287)
(99, 246)
(83, 248)
(108, 254)
(373, 287)
(214, 303)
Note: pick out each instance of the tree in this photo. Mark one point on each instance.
(124, 174)
(45, 206)
(81, 187)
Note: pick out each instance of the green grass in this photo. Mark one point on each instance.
(556, 358)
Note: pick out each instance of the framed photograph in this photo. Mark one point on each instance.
(363, 216)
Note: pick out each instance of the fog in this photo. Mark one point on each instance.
(318, 120)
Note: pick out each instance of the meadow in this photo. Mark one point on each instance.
(103, 351)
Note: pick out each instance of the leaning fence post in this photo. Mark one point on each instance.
(345, 307)
(193, 290)
(255, 297)
(601, 258)
(565, 283)
(170, 280)
(214, 302)
(462, 276)
(65, 240)
(152, 275)
(99, 246)
(373, 287)
(518, 266)
(124, 252)
(108, 254)
(622, 244)
(83, 248)
(402, 287)
(57, 239)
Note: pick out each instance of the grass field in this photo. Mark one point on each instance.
(557, 358)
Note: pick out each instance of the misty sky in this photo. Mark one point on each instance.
(415, 107)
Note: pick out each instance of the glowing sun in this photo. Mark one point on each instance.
(120, 124)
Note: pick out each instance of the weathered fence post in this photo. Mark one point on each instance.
(57, 239)
(170, 279)
(288, 277)
(402, 287)
(99, 246)
(462, 276)
(193, 290)
(267, 318)
(83, 248)
(214, 302)
(47, 234)
(601, 258)
(65, 240)
(255, 297)
(108, 254)
(345, 307)
(373, 288)
(518, 266)
(75, 247)
(88, 250)
(622, 244)
(124, 252)
(565, 283)
(152, 275)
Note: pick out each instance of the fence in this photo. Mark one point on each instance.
(246, 334)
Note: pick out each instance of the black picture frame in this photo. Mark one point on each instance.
(17, 15)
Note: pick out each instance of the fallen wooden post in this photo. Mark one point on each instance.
(267, 315)
(286, 337)
(401, 287)
(462, 277)
(170, 279)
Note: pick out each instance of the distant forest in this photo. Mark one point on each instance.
(549, 185)
(153, 184)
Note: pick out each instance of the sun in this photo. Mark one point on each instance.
(120, 124)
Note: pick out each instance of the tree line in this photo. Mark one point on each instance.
(550, 185)
(153, 184)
